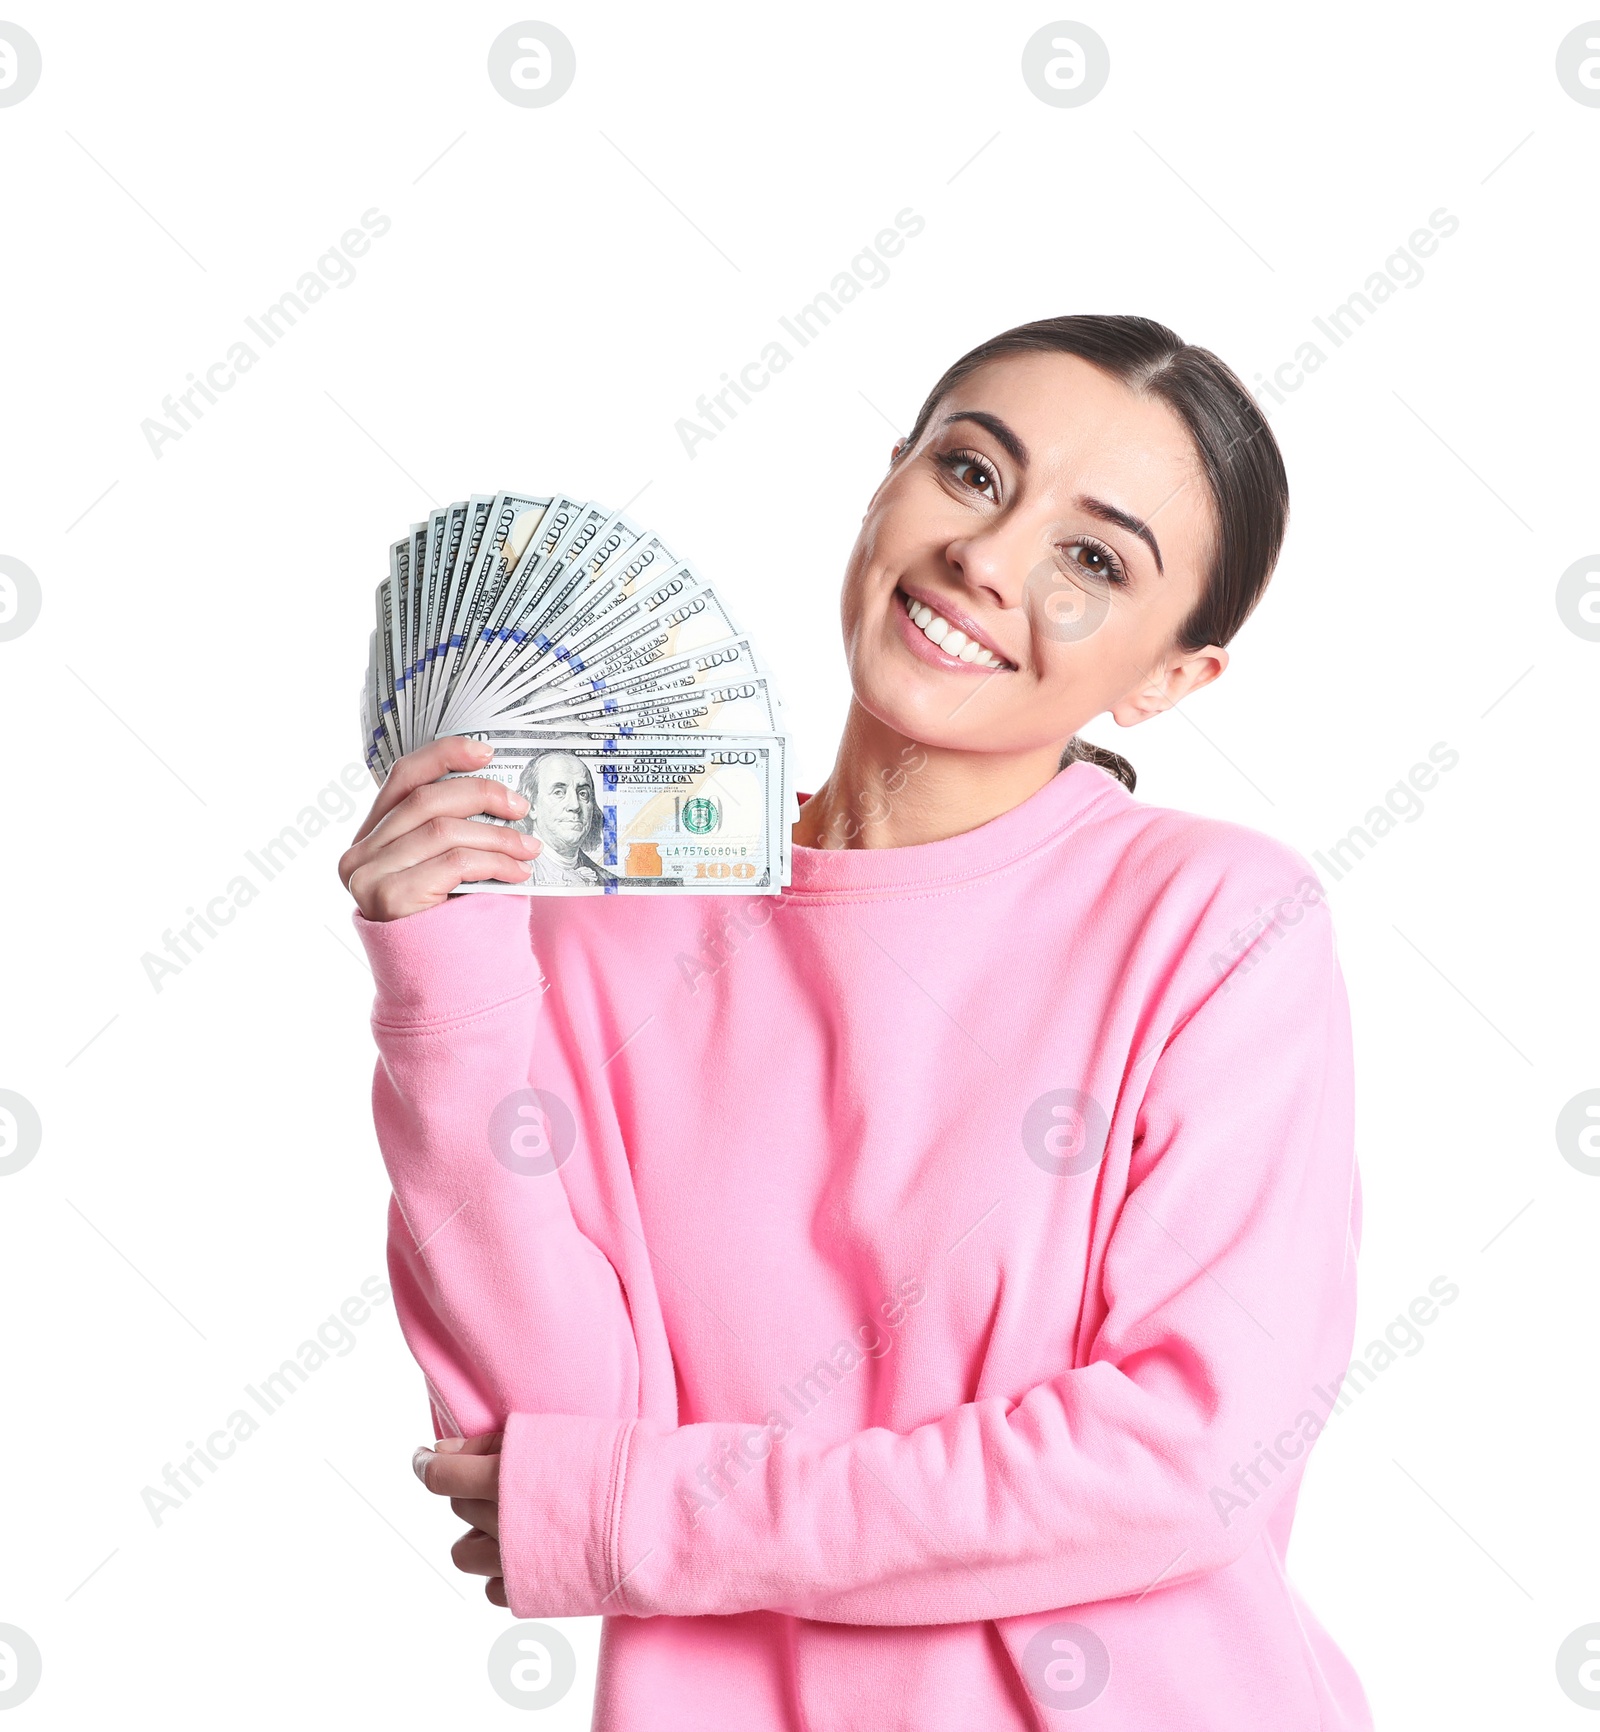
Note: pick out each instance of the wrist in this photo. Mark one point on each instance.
(462, 955)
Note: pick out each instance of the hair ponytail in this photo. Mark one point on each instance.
(1090, 753)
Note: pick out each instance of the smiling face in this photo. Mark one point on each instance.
(1054, 528)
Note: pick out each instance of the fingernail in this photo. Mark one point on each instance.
(482, 748)
(449, 1445)
(419, 1462)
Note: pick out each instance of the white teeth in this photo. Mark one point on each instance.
(956, 643)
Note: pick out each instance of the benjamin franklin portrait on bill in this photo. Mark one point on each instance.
(565, 815)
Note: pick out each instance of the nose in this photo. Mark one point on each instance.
(995, 560)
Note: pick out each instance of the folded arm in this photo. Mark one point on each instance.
(1228, 1287)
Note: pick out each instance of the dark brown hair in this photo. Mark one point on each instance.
(1242, 463)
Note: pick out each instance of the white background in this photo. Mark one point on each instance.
(556, 290)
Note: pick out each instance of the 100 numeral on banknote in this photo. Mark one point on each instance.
(642, 814)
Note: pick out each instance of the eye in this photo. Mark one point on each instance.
(1099, 562)
(964, 464)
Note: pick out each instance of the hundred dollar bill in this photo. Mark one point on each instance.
(371, 729)
(731, 707)
(442, 571)
(521, 528)
(540, 649)
(539, 616)
(386, 715)
(541, 582)
(382, 747)
(568, 525)
(424, 557)
(734, 658)
(513, 522)
(427, 589)
(675, 617)
(650, 815)
(619, 566)
(399, 604)
(452, 640)
(405, 673)
(630, 573)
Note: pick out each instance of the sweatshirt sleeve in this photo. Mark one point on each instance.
(1228, 1289)
(504, 1302)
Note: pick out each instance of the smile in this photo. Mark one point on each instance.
(949, 638)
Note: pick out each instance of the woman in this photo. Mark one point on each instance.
(909, 1301)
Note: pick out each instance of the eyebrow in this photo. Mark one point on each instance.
(1018, 453)
(1003, 436)
(1126, 520)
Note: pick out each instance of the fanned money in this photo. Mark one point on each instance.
(621, 699)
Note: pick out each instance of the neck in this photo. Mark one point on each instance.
(887, 791)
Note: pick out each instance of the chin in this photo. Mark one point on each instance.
(919, 701)
(914, 706)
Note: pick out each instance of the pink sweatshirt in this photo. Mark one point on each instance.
(908, 1301)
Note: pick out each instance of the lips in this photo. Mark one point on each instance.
(954, 633)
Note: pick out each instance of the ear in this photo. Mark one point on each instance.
(1169, 685)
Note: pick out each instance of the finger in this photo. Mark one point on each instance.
(476, 1554)
(479, 1513)
(453, 797)
(426, 764)
(495, 1588)
(485, 1443)
(392, 896)
(438, 835)
(464, 1476)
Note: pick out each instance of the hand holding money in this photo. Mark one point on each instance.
(421, 840)
(620, 702)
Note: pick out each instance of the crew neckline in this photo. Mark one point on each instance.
(1045, 815)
